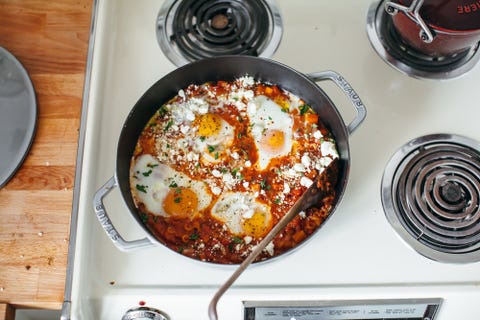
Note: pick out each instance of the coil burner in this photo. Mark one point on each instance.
(394, 51)
(430, 194)
(189, 30)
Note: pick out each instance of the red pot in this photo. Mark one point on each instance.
(437, 27)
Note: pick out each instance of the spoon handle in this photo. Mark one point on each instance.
(302, 203)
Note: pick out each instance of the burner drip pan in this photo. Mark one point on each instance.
(431, 195)
(394, 51)
(190, 30)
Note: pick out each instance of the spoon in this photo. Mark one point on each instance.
(308, 199)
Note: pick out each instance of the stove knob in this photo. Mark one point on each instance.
(143, 313)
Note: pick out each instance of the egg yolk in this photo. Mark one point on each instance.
(273, 140)
(256, 226)
(181, 202)
(208, 124)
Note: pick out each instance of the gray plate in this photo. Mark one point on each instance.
(18, 115)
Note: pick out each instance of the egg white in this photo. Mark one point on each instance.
(213, 148)
(235, 209)
(267, 116)
(157, 179)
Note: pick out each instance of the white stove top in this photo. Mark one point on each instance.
(356, 254)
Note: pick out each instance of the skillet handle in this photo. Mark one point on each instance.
(349, 92)
(106, 223)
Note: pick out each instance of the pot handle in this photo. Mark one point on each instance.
(349, 92)
(412, 12)
(106, 223)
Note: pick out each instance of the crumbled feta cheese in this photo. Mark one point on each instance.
(328, 149)
(298, 167)
(182, 144)
(246, 81)
(302, 214)
(228, 179)
(248, 163)
(306, 182)
(306, 160)
(181, 113)
(270, 248)
(248, 213)
(317, 134)
(247, 239)
(184, 129)
(216, 173)
(248, 94)
(191, 156)
(181, 93)
(290, 172)
(286, 188)
(216, 190)
(323, 162)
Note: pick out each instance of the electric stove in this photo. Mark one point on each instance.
(364, 263)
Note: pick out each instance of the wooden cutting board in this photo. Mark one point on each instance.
(50, 39)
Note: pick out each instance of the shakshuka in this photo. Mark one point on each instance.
(220, 163)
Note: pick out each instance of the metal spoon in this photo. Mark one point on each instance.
(309, 198)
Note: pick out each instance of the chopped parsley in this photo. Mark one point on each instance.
(147, 173)
(173, 184)
(162, 110)
(277, 201)
(177, 200)
(264, 185)
(169, 124)
(237, 240)
(210, 148)
(150, 165)
(194, 236)
(304, 109)
(144, 217)
(141, 188)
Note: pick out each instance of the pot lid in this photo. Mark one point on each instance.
(18, 115)
(458, 15)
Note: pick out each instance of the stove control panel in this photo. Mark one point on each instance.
(411, 309)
